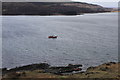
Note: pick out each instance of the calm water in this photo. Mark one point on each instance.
(91, 39)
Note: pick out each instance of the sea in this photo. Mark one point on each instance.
(89, 39)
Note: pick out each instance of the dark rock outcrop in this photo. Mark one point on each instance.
(46, 68)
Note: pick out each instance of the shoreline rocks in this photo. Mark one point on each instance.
(46, 68)
(106, 70)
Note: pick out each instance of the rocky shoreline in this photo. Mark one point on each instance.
(44, 70)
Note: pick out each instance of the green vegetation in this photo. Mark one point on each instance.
(104, 71)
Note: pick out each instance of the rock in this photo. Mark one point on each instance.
(47, 69)
(110, 63)
(104, 68)
(74, 65)
(67, 69)
(31, 67)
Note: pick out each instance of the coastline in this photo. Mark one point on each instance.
(103, 69)
(50, 64)
(44, 70)
(62, 14)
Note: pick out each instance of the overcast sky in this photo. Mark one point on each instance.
(105, 3)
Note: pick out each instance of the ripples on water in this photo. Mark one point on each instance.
(90, 39)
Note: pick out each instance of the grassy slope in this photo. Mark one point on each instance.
(108, 70)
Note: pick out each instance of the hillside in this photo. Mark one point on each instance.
(107, 71)
(50, 8)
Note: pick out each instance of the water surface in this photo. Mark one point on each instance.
(90, 39)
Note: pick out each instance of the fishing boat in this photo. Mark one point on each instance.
(53, 37)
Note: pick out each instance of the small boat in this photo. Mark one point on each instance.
(52, 37)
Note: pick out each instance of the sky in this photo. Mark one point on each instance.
(104, 3)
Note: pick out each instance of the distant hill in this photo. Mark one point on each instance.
(50, 8)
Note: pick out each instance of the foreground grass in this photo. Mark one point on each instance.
(107, 70)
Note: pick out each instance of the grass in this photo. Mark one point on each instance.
(108, 70)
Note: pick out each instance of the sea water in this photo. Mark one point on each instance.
(89, 39)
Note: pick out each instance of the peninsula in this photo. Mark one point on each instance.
(51, 8)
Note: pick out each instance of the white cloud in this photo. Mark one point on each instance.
(104, 3)
(97, 0)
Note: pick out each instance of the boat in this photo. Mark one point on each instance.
(52, 37)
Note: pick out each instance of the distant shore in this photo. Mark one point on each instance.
(63, 15)
(52, 8)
